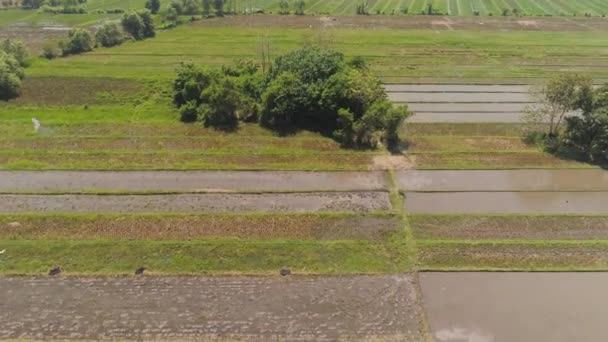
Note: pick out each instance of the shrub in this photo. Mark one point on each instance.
(11, 73)
(300, 7)
(139, 24)
(50, 51)
(17, 50)
(284, 102)
(109, 35)
(79, 41)
(220, 101)
(153, 6)
(189, 112)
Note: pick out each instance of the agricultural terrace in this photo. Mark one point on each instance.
(111, 181)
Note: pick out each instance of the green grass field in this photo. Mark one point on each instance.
(396, 56)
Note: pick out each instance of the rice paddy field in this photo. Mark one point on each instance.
(256, 236)
(110, 110)
(451, 7)
(392, 7)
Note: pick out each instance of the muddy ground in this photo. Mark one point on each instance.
(496, 307)
(504, 180)
(482, 96)
(507, 202)
(482, 117)
(264, 309)
(184, 203)
(456, 88)
(213, 181)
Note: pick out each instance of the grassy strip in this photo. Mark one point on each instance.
(182, 161)
(333, 226)
(509, 227)
(213, 256)
(493, 161)
(513, 255)
(468, 144)
(464, 129)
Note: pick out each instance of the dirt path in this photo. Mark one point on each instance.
(44, 181)
(261, 309)
(292, 202)
(525, 307)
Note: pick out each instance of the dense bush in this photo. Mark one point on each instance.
(79, 41)
(17, 50)
(310, 88)
(153, 6)
(11, 73)
(217, 98)
(139, 24)
(584, 136)
(109, 35)
(31, 3)
(50, 51)
(185, 7)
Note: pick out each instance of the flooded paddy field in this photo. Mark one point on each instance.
(212, 181)
(184, 203)
(374, 308)
(507, 202)
(505, 191)
(461, 103)
(496, 307)
(503, 180)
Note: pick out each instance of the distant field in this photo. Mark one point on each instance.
(450, 7)
(394, 7)
(419, 56)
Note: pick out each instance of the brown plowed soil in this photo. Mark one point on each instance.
(292, 202)
(210, 309)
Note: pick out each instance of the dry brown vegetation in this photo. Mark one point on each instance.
(65, 90)
(476, 227)
(194, 227)
(530, 257)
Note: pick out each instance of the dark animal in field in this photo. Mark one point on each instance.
(140, 271)
(285, 272)
(55, 271)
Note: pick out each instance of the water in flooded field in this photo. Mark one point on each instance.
(523, 307)
(507, 202)
(504, 180)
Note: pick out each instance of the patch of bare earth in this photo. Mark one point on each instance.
(362, 308)
(68, 90)
(188, 203)
(398, 162)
